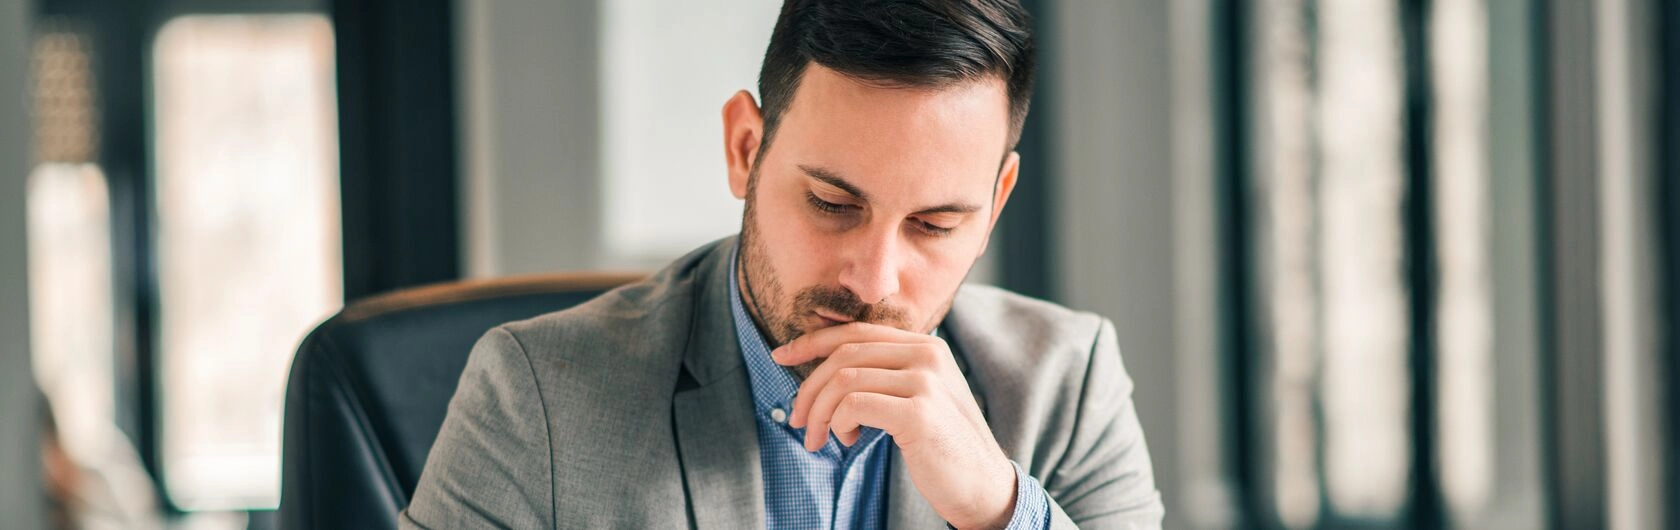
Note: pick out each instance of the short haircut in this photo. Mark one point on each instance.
(900, 43)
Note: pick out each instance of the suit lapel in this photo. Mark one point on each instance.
(719, 446)
(906, 508)
(713, 410)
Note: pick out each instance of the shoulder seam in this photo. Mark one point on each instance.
(1079, 403)
(548, 424)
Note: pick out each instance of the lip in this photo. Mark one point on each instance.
(831, 318)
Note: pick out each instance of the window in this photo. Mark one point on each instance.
(71, 302)
(1464, 310)
(1382, 325)
(247, 240)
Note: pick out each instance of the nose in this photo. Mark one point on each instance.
(871, 272)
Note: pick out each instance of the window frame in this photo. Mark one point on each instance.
(399, 209)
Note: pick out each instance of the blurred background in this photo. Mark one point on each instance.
(1374, 263)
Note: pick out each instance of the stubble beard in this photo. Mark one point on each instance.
(777, 319)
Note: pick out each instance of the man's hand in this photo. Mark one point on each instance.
(909, 385)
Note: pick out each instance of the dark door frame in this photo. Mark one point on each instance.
(1667, 32)
(397, 137)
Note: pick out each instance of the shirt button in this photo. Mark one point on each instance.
(778, 415)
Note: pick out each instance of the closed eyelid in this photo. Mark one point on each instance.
(832, 194)
(836, 190)
(943, 220)
(830, 207)
(830, 180)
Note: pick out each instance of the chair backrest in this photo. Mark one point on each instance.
(370, 386)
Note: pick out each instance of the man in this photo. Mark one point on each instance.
(826, 369)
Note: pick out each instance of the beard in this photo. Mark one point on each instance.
(779, 316)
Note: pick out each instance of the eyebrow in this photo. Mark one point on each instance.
(832, 179)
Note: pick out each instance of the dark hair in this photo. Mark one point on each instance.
(901, 43)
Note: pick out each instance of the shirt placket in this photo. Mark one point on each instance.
(844, 474)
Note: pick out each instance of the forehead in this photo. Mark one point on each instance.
(895, 141)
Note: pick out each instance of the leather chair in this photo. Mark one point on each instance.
(370, 386)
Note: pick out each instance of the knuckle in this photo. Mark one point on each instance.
(928, 354)
(926, 382)
(851, 401)
(848, 376)
(847, 350)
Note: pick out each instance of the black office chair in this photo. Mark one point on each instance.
(370, 386)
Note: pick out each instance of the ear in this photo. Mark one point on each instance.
(1000, 196)
(743, 129)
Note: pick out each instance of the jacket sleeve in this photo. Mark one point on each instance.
(1105, 480)
(491, 465)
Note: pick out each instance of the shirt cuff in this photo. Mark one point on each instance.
(1032, 504)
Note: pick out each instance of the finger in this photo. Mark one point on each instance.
(855, 355)
(877, 380)
(822, 342)
(849, 438)
(893, 414)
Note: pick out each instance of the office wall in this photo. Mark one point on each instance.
(591, 130)
(667, 68)
(1113, 77)
(20, 484)
(530, 124)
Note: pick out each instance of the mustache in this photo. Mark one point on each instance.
(843, 303)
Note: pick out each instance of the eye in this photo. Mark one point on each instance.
(933, 229)
(825, 206)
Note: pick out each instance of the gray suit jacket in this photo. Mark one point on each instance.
(633, 410)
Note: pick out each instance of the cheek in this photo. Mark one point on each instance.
(796, 248)
(934, 272)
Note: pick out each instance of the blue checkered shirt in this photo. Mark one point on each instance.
(836, 487)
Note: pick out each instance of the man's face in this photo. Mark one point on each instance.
(871, 204)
